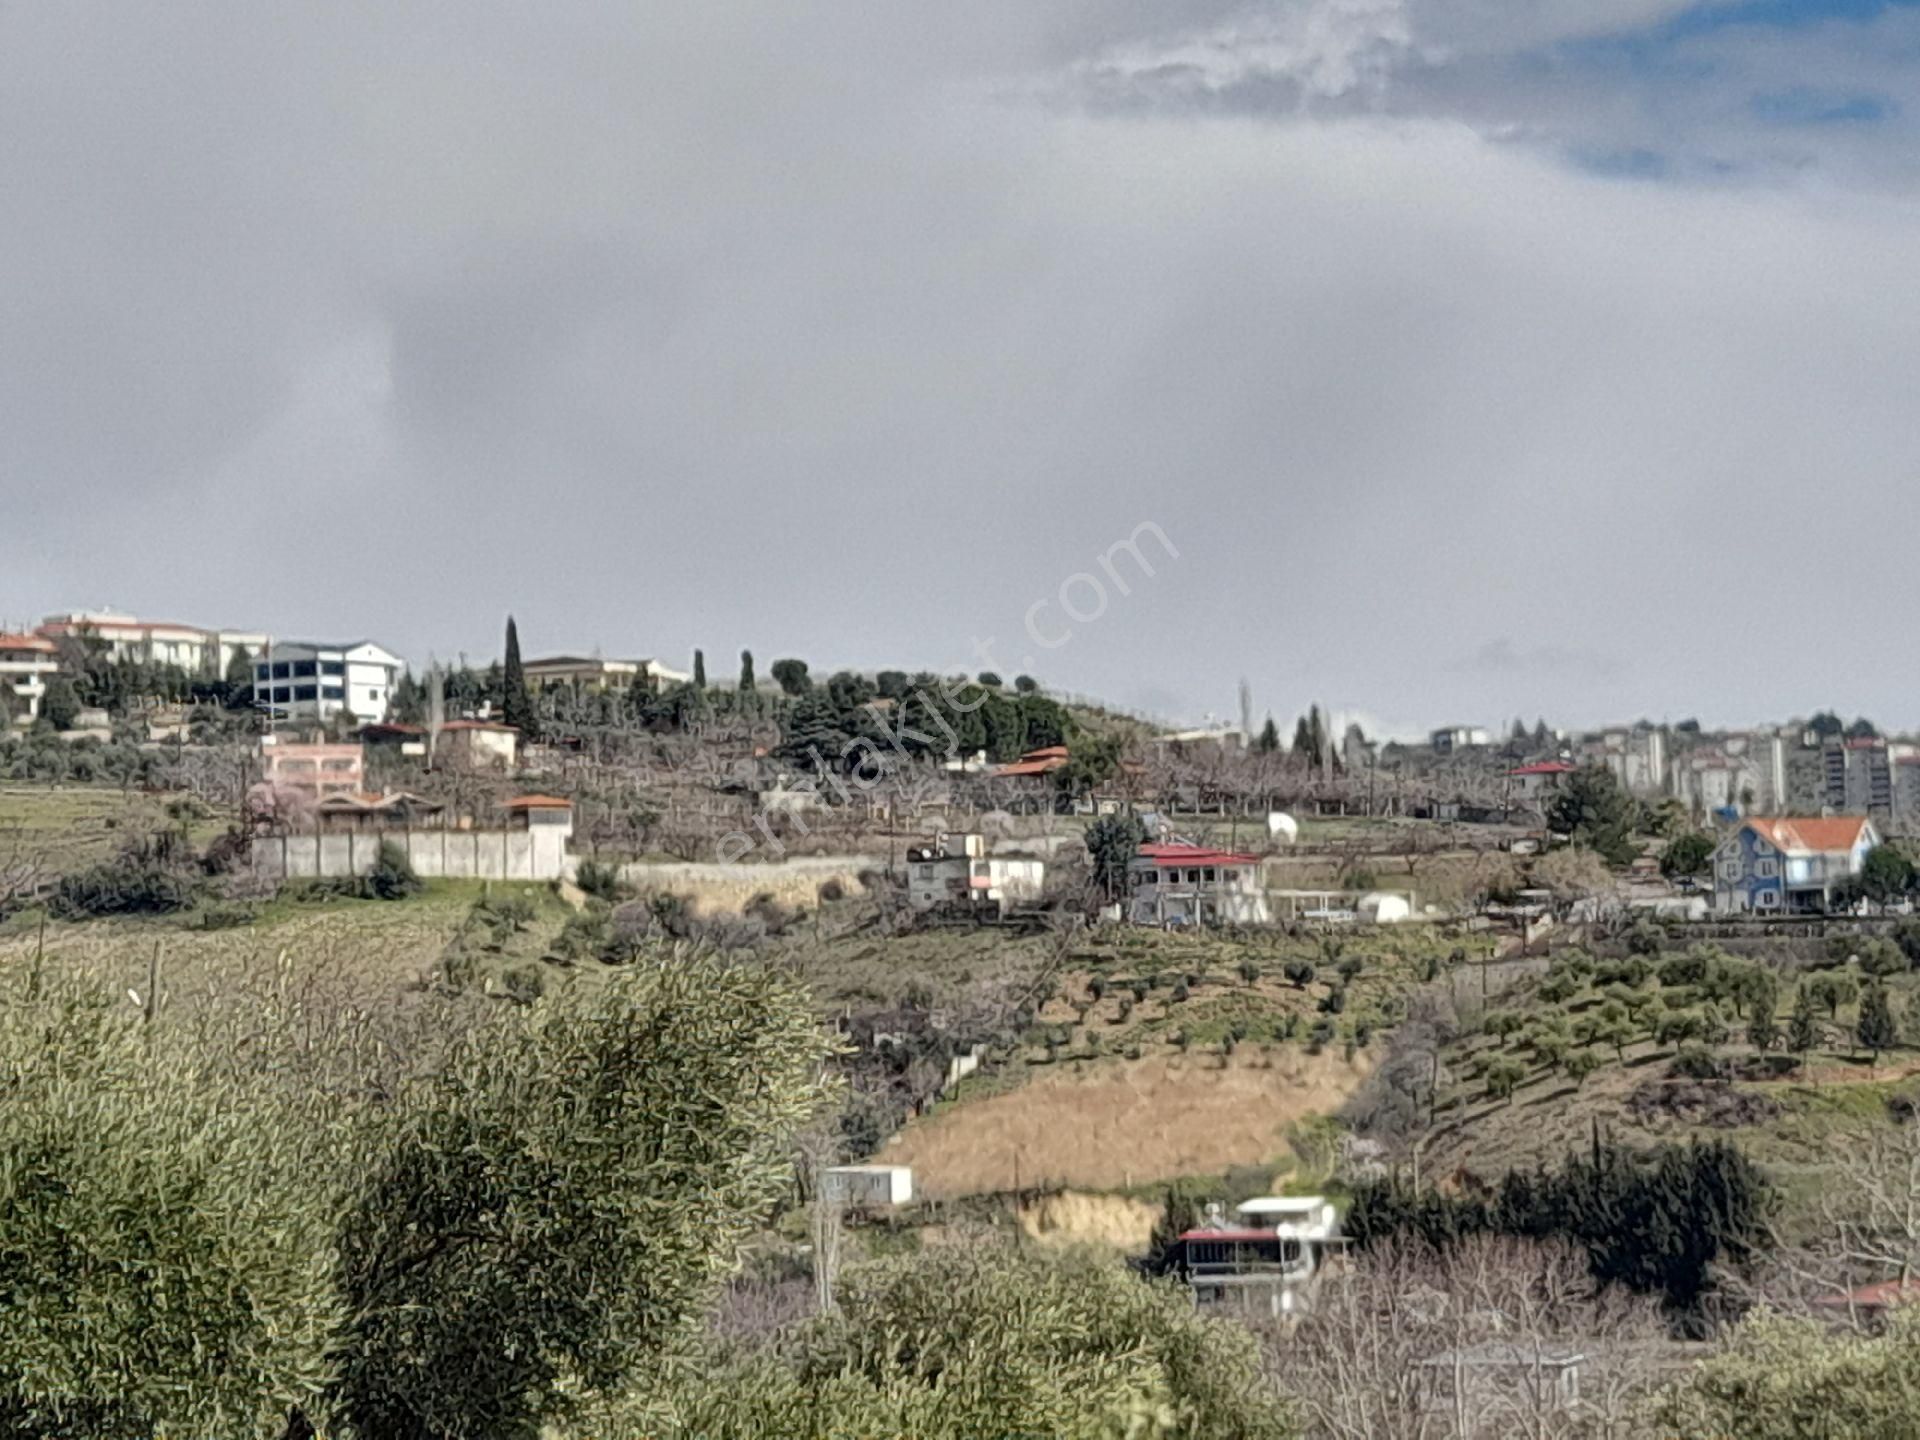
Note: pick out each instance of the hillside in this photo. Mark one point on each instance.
(1660, 1045)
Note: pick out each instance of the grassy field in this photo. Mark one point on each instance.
(66, 827)
(368, 948)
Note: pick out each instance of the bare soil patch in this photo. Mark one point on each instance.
(1116, 1124)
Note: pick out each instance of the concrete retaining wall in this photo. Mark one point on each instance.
(534, 854)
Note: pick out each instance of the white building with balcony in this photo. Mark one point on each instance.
(27, 662)
(155, 642)
(310, 681)
(1181, 884)
(1263, 1263)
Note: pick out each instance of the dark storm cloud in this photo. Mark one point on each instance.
(853, 331)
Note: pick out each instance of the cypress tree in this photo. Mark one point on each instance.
(699, 669)
(1761, 1002)
(516, 705)
(1269, 740)
(746, 672)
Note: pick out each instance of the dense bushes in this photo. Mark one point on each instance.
(958, 1345)
(152, 875)
(1781, 1379)
(456, 1231)
(1656, 1221)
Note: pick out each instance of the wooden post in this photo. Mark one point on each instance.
(150, 1002)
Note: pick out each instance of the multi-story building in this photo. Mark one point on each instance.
(1743, 771)
(1265, 1262)
(318, 771)
(1180, 884)
(584, 672)
(309, 681)
(27, 662)
(156, 642)
(1774, 864)
(1858, 776)
(959, 871)
(1637, 757)
(1457, 737)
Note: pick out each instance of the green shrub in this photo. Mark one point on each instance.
(150, 876)
(391, 877)
(600, 879)
(958, 1344)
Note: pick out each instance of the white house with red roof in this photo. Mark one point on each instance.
(1776, 864)
(1180, 884)
(1537, 781)
(1264, 1261)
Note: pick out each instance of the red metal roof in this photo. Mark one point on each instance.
(1882, 1293)
(1173, 854)
(1544, 767)
(1043, 761)
(36, 643)
(1240, 1235)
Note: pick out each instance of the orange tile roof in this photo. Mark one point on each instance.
(538, 802)
(27, 642)
(1043, 761)
(1822, 834)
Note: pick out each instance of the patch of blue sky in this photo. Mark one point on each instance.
(1776, 14)
(1661, 46)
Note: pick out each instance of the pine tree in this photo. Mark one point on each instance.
(1803, 1032)
(1269, 740)
(516, 705)
(1875, 1028)
(1303, 740)
(1317, 728)
(699, 669)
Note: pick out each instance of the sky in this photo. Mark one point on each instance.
(1446, 360)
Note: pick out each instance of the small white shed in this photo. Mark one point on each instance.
(868, 1185)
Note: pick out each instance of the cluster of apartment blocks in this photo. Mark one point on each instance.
(296, 680)
(1786, 771)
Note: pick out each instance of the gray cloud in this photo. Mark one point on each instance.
(850, 331)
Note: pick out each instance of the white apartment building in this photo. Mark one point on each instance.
(156, 642)
(27, 662)
(316, 681)
(591, 672)
(1637, 757)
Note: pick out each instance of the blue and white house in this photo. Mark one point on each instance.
(1774, 865)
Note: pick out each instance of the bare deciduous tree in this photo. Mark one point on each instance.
(1396, 1346)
